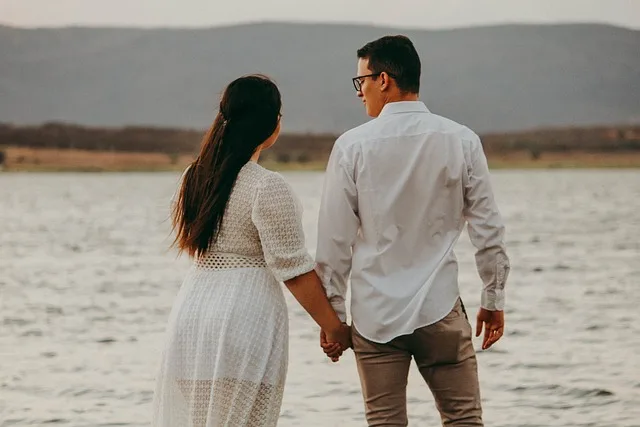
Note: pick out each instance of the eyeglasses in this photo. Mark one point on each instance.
(358, 81)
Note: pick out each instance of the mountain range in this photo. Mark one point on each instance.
(493, 79)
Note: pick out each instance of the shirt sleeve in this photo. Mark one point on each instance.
(486, 229)
(277, 214)
(338, 226)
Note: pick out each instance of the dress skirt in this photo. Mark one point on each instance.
(225, 357)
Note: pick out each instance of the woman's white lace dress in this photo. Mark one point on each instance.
(225, 358)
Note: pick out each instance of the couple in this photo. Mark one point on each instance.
(398, 193)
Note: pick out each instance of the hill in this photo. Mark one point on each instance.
(494, 79)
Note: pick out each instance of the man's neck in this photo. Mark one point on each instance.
(403, 97)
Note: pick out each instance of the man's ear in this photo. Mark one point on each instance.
(385, 81)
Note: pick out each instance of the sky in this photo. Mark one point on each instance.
(396, 13)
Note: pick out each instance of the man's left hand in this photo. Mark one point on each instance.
(493, 323)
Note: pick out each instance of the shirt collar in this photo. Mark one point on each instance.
(404, 107)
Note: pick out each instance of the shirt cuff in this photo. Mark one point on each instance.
(340, 308)
(335, 298)
(493, 299)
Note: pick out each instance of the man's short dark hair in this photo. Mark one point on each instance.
(397, 56)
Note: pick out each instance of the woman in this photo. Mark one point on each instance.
(225, 360)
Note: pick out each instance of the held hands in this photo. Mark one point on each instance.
(334, 343)
(493, 322)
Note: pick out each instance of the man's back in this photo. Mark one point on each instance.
(411, 178)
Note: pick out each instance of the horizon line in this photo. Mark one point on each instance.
(313, 23)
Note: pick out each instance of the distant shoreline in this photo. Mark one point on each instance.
(56, 147)
(70, 160)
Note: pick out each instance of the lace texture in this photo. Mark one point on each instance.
(254, 408)
(215, 261)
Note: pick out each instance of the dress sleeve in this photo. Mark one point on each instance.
(277, 214)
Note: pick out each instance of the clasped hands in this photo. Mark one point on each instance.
(336, 342)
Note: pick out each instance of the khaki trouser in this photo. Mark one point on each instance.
(446, 359)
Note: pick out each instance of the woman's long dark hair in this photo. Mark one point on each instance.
(248, 115)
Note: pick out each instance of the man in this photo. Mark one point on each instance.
(398, 192)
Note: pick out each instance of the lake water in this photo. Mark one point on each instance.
(87, 282)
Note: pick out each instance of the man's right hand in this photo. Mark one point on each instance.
(334, 343)
(493, 323)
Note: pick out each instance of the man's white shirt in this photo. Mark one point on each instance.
(398, 192)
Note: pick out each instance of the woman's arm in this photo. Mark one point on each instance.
(308, 290)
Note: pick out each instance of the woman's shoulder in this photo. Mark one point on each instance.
(268, 179)
(272, 189)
